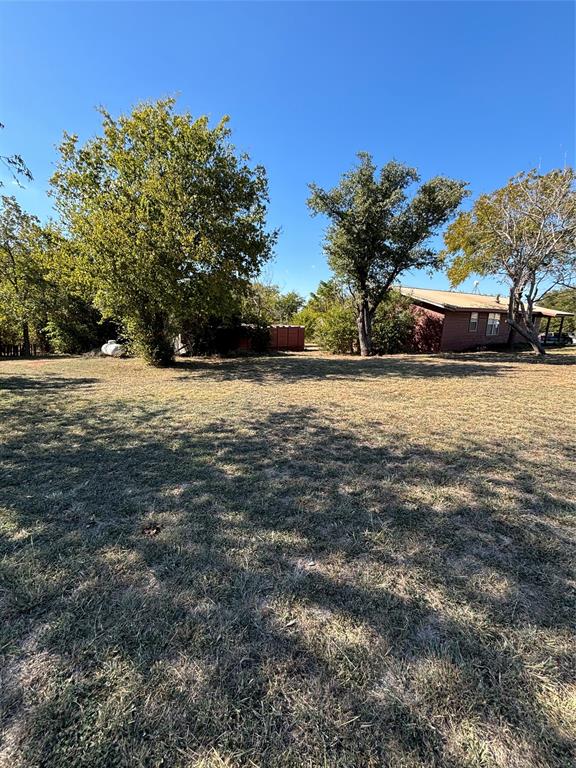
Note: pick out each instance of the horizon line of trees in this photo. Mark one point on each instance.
(162, 231)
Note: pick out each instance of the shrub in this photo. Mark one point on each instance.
(260, 336)
(336, 330)
(307, 317)
(393, 325)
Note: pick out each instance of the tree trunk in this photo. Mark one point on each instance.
(510, 340)
(25, 339)
(153, 339)
(364, 323)
(526, 325)
(531, 337)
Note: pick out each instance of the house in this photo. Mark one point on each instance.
(451, 321)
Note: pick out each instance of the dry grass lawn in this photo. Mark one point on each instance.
(290, 561)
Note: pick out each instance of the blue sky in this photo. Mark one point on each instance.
(472, 90)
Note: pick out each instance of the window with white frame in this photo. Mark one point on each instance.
(473, 322)
(493, 325)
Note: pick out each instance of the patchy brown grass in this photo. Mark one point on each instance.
(288, 561)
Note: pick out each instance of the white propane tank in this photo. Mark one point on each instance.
(112, 348)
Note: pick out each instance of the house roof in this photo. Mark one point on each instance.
(458, 301)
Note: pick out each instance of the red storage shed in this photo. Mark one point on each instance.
(287, 337)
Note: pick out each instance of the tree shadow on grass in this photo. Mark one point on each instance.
(47, 383)
(302, 368)
(491, 358)
(285, 596)
(48, 357)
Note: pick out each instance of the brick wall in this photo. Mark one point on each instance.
(427, 333)
(456, 336)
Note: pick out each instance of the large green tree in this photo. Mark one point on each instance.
(167, 220)
(378, 231)
(22, 277)
(524, 234)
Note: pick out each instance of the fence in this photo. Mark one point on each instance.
(17, 350)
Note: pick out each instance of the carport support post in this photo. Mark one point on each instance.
(547, 329)
(560, 330)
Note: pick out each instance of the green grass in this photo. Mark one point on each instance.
(288, 561)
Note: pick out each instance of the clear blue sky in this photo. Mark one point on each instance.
(477, 91)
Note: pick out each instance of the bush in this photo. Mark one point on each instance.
(336, 329)
(259, 335)
(307, 317)
(392, 326)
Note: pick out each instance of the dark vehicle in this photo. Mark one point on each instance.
(557, 340)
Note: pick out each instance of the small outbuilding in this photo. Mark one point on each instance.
(285, 338)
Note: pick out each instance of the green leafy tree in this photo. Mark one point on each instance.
(288, 305)
(336, 328)
(563, 299)
(393, 325)
(265, 303)
(308, 317)
(22, 279)
(377, 231)
(259, 303)
(524, 234)
(73, 324)
(332, 321)
(167, 220)
(328, 292)
(37, 299)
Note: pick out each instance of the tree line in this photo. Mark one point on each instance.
(161, 231)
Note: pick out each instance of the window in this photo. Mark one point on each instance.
(473, 324)
(493, 325)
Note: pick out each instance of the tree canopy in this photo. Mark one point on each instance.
(563, 299)
(265, 303)
(523, 234)
(22, 273)
(166, 218)
(377, 230)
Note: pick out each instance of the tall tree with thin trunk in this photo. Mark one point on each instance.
(378, 230)
(22, 281)
(524, 235)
